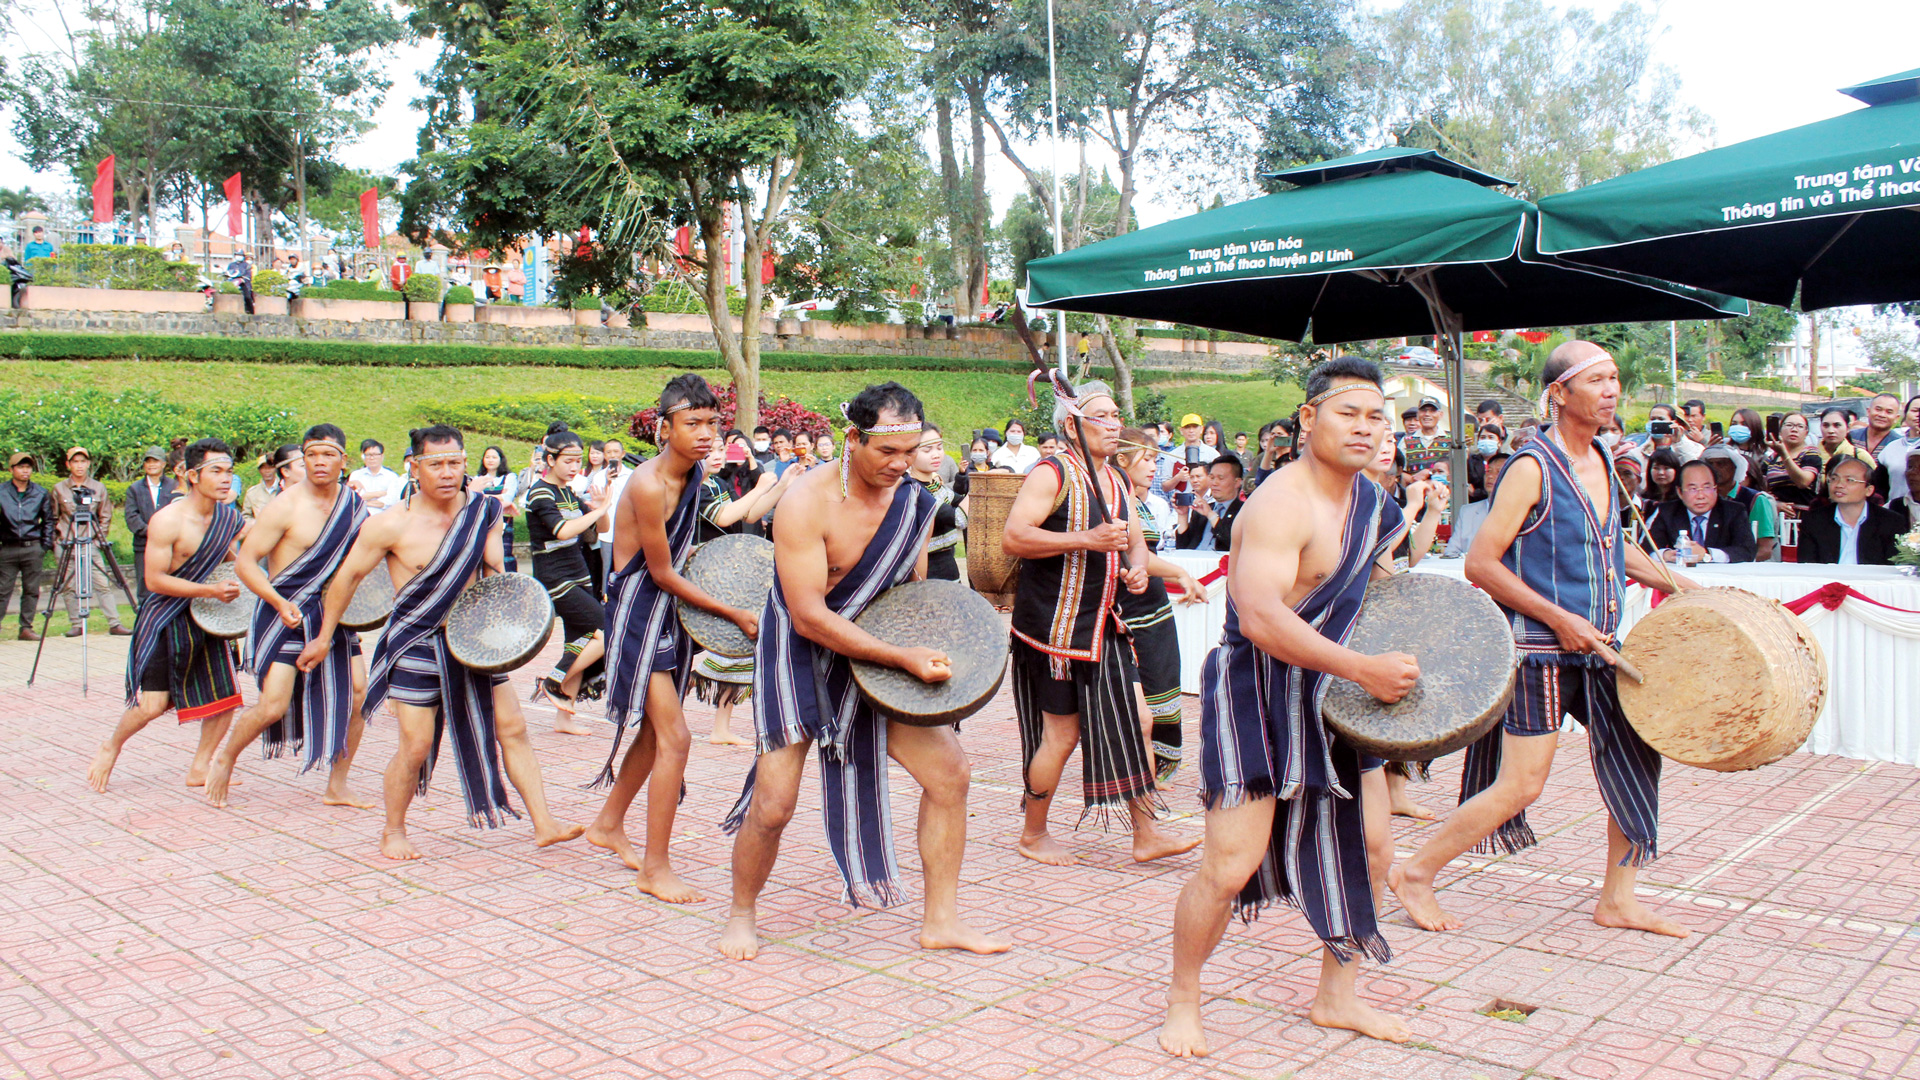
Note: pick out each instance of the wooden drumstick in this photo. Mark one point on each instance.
(1620, 663)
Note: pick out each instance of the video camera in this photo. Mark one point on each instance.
(82, 511)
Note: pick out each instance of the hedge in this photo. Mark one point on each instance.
(460, 294)
(347, 289)
(51, 345)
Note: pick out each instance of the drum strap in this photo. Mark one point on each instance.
(158, 611)
(321, 708)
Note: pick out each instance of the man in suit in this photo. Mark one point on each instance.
(1852, 531)
(1718, 526)
(145, 497)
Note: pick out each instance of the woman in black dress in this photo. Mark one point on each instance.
(559, 524)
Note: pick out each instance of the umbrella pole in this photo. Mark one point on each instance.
(1447, 333)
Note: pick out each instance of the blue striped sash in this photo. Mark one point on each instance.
(466, 697)
(638, 613)
(807, 693)
(321, 707)
(158, 611)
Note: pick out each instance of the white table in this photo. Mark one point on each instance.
(1873, 656)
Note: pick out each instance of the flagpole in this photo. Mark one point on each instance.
(1053, 94)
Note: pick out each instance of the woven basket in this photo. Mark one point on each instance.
(990, 570)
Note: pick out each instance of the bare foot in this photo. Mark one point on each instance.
(1423, 907)
(727, 738)
(566, 723)
(740, 940)
(395, 845)
(218, 778)
(556, 834)
(1182, 1035)
(344, 797)
(1352, 1014)
(1150, 842)
(1045, 849)
(958, 935)
(1633, 915)
(663, 884)
(197, 777)
(615, 841)
(102, 767)
(1405, 807)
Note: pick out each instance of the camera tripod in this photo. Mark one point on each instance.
(76, 555)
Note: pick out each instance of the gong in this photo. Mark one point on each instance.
(1467, 661)
(499, 623)
(224, 618)
(372, 602)
(942, 615)
(736, 570)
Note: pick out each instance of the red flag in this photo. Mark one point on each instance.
(370, 217)
(103, 190)
(231, 188)
(766, 268)
(683, 241)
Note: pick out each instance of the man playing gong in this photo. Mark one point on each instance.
(172, 663)
(650, 655)
(1282, 793)
(303, 536)
(1551, 553)
(1073, 663)
(435, 544)
(845, 536)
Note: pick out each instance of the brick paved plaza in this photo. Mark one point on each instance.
(144, 934)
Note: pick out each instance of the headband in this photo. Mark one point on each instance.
(324, 442)
(1547, 405)
(444, 455)
(881, 429)
(214, 459)
(1323, 395)
(683, 403)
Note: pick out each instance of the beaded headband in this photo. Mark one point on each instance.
(683, 403)
(214, 459)
(1323, 395)
(881, 429)
(444, 455)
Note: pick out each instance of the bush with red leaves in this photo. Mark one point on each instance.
(780, 413)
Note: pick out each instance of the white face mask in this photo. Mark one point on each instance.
(1608, 438)
(762, 445)
(1015, 438)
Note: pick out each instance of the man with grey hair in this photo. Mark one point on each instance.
(1073, 670)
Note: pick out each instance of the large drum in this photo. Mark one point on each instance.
(499, 623)
(372, 602)
(1467, 660)
(942, 615)
(737, 570)
(990, 569)
(1733, 680)
(228, 618)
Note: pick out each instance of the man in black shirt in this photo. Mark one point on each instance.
(26, 535)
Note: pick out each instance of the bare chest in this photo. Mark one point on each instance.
(849, 534)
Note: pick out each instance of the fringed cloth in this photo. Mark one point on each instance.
(809, 695)
(1117, 774)
(320, 709)
(1067, 627)
(466, 697)
(200, 677)
(643, 631)
(1575, 558)
(1261, 737)
(1156, 652)
(722, 680)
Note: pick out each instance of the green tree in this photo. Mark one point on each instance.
(630, 114)
(1550, 98)
(14, 203)
(1746, 343)
(1891, 349)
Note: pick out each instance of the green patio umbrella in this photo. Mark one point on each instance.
(1387, 243)
(1830, 208)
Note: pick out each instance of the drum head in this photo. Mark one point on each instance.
(499, 623)
(1467, 660)
(943, 615)
(737, 570)
(372, 602)
(224, 620)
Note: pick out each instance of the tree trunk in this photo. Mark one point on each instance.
(950, 195)
(979, 211)
(300, 194)
(1813, 354)
(1122, 367)
(713, 293)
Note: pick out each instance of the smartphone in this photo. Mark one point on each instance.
(1193, 457)
(1718, 429)
(736, 453)
(1659, 427)
(1183, 498)
(1773, 426)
